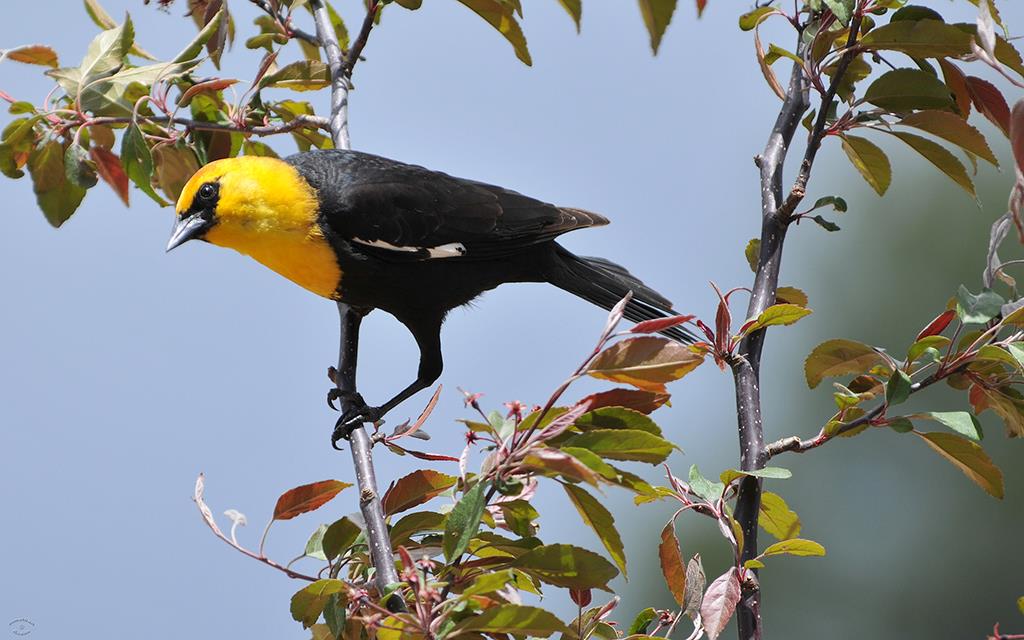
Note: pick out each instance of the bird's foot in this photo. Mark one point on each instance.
(353, 419)
(347, 397)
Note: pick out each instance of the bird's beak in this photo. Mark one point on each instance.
(186, 229)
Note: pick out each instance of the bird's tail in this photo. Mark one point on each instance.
(605, 283)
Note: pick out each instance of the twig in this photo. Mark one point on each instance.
(381, 553)
(265, 130)
(297, 33)
(799, 189)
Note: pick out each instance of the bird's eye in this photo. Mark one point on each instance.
(207, 192)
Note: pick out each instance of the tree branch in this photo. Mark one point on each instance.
(297, 33)
(746, 367)
(298, 122)
(377, 537)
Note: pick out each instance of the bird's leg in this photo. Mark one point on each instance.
(428, 337)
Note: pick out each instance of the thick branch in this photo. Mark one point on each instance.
(746, 367)
(381, 554)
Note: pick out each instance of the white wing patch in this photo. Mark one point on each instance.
(450, 250)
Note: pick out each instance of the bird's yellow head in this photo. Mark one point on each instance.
(264, 208)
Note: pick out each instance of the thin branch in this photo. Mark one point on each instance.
(799, 189)
(364, 33)
(377, 537)
(796, 445)
(299, 122)
(293, 32)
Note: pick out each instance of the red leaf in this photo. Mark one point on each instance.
(672, 565)
(701, 4)
(938, 325)
(108, 165)
(581, 597)
(422, 455)
(990, 102)
(660, 324)
(406, 429)
(307, 498)
(1017, 133)
(635, 399)
(977, 398)
(414, 489)
(217, 84)
(720, 602)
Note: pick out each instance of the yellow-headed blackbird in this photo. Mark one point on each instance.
(381, 234)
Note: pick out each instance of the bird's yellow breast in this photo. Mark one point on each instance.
(267, 211)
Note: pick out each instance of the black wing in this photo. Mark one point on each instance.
(407, 211)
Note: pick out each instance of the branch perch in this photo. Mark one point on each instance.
(381, 554)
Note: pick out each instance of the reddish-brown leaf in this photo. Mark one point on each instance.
(1017, 133)
(938, 325)
(635, 399)
(720, 602)
(217, 84)
(414, 489)
(646, 362)
(660, 324)
(701, 5)
(308, 497)
(581, 597)
(957, 83)
(990, 102)
(108, 165)
(672, 565)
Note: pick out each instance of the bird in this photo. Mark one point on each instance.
(416, 243)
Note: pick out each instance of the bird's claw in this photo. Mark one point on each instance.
(353, 419)
(351, 397)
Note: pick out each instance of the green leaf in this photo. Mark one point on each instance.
(308, 603)
(777, 314)
(939, 156)
(414, 523)
(338, 537)
(488, 583)
(703, 487)
(519, 516)
(777, 473)
(960, 421)
(304, 75)
(920, 347)
(57, 198)
(753, 253)
(777, 518)
(907, 89)
(500, 14)
(464, 521)
(575, 10)
(1020, 604)
(952, 128)
(842, 9)
(415, 489)
(827, 225)
(838, 358)
(617, 418)
(835, 202)
(79, 167)
(315, 544)
(969, 457)
(519, 620)
(672, 566)
(565, 565)
(870, 161)
(646, 362)
(624, 444)
(791, 295)
(598, 518)
(138, 161)
(657, 15)
(795, 547)
(335, 615)
(977, 309)
(643, 620)
(193, 49)
(897, 390)
(750, 20)
(901, 425)
(103, 20)
(919, 39)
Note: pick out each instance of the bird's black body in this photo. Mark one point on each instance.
(417, 243)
